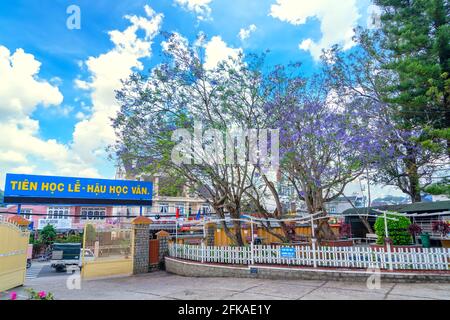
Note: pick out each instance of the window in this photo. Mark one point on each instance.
(332, 210)
(93, 213)
(180, 206)
(206, 209)
(163, 208)
(58, 213)
(26, 213)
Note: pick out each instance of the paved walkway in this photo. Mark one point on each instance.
(161, 285)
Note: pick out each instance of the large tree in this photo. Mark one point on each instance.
(225, 101)
(413, 151)
(416, 40)
(326, 143)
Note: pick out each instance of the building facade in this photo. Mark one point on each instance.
(64, 218)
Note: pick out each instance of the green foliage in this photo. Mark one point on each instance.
(397, 229)
(47, 235)
(171, 186)
(91, 234)
(72, 238)
(439, 188)
(417, 38)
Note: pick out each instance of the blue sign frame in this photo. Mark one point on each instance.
(35, 189)
(287, 252)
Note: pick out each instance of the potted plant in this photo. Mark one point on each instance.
(415, 230)
(443, 228)
(345, 231)
(344, 240)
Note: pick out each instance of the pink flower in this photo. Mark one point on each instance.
(41, 294)
(13, 295)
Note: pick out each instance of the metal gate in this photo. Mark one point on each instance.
(13, 254)
(153, 251)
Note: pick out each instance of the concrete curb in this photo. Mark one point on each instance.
(197, 269)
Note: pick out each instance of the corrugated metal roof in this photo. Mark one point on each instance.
(419, 207)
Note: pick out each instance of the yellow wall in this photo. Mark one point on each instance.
(13, 256)
(106, 268)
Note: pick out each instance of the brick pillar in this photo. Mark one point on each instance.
(210, 233)
(163, 237)
(141, 231)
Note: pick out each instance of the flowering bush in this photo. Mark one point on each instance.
(414, 229)
(345, 230)
(442, 227)
(41, 295)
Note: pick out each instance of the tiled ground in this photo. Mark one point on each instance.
(161, 285)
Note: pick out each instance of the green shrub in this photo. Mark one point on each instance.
(47, 235)
(398, 230)
(73, 238)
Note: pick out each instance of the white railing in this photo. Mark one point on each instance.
(344, 257)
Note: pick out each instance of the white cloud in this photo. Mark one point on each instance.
(216, 50)
(80, 116)
(22, 91)
(94, 133)
(200, 7)
(337, 21)
(245, 33)
(80, 84)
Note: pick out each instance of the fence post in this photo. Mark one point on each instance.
(252, 253)
(203, 251)
(388, 242)
(313, 242)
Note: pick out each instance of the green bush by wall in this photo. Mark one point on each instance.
(398, 230)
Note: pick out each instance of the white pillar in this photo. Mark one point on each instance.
(203, 252)
(313, 242)
(388, 244)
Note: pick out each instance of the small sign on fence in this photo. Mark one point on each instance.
(286, 252)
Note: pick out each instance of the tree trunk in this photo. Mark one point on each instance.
(365, 222)
(413, 177)
(324, 231)
(237, 233)
(316, 204)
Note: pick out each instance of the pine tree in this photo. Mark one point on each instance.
(417, 37)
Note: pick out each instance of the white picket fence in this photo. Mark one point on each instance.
(344, 257)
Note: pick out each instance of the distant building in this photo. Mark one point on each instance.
(419, 208)
(340, 204)
(64, 218)
(164, 203)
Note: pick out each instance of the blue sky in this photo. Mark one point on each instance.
(57, 85)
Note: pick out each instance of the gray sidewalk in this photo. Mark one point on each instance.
(161, 285)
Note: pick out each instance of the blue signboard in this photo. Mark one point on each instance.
(24, 188)
(286, 252)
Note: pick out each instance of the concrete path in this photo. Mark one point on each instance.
(161, 285)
